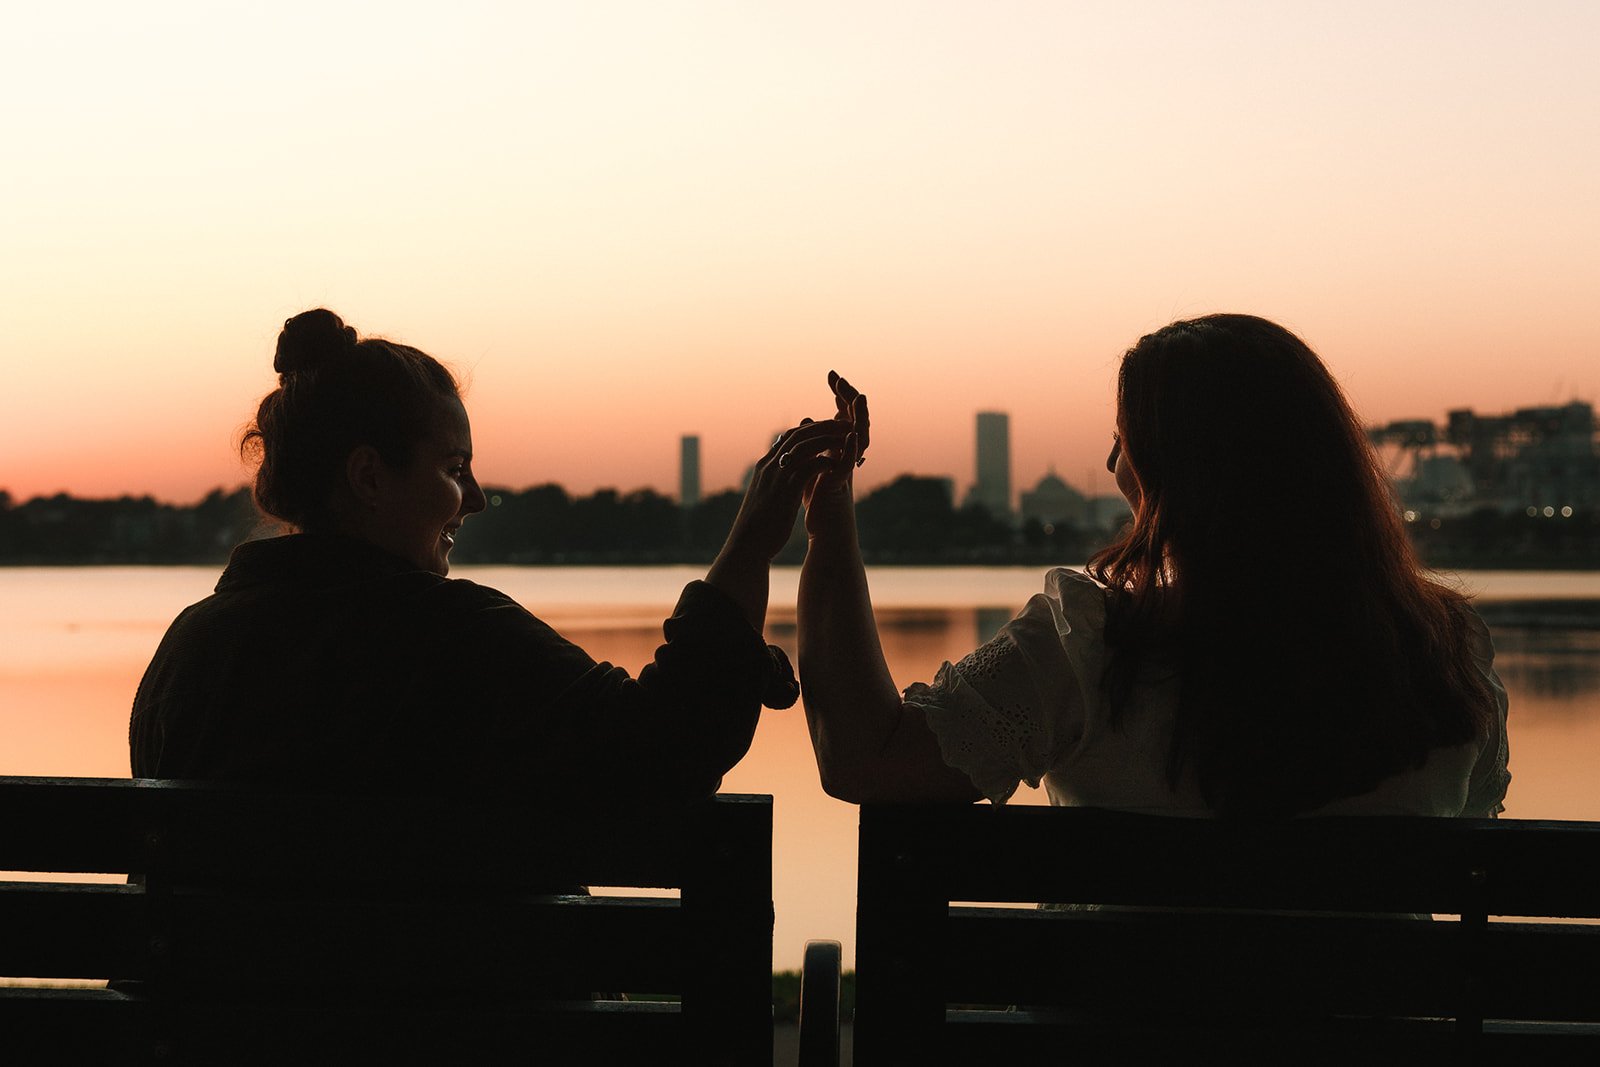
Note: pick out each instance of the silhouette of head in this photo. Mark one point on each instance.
(339, 394)
(1233, 427)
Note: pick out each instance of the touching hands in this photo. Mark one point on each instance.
(812, 463)
(780, 479)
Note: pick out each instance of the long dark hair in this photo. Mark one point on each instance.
(1267, 565)
(336, 391)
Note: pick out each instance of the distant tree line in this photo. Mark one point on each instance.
(910, 520)
(63, 529)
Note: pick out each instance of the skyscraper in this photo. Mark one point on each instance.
(689, 470)
(993, 487)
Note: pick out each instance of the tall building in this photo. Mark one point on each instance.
(689, 470)
(993, 487)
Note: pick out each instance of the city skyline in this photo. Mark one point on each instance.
(1415, 441)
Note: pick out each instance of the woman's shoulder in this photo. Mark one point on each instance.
(1079, 597)
(1072, 578)
(1479, 643)
(463, 598)
(1069, 611)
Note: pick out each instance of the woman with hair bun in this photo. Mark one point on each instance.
(1261, 640)
(341, 654)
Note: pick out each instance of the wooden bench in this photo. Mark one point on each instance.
(1291, 942)
(280, 927)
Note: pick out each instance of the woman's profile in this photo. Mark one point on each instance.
(341, 655)
(1261, 639)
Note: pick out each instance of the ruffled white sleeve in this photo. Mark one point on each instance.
(1013, 709)
(1491, 776)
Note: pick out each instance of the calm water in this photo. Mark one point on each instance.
(74, 641)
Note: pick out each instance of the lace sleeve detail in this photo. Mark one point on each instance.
(1491, 775)
(1007, 712)
(988, 743)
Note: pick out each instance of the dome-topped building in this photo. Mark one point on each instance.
(1053, 503)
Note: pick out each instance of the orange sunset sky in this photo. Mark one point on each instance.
(627, 221)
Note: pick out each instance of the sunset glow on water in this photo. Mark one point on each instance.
(74, 642)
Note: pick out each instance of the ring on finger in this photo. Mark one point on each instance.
(783, 460)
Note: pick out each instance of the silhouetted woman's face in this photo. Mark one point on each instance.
(1127, 482)
(425, 503)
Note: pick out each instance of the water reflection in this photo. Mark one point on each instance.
(1560, 666)
(989, 621)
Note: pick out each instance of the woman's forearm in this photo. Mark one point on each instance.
(852, 704)
(744, 575)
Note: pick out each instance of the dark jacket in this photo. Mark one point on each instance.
(325, 660)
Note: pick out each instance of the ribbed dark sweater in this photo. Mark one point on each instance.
(321, 660)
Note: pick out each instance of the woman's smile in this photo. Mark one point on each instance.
(427, 501)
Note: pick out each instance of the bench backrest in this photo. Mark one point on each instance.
(1222, 935)
(272, 923)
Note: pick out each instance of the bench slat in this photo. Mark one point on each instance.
(115, 933)
(100, 1026)
(1019, 1036)
(1529, 868)
(202, 832)
(1274, 965)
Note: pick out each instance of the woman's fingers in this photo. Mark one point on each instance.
(843, 394)
(828, 429)
(852, 408)
(805, 463)
(785, 439)
(807, 444)
(861, 421)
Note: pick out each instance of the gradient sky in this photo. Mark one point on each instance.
(627, 221)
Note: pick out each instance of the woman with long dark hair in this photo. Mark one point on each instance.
(1260, 640)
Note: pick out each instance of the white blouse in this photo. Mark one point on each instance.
(1029, 707)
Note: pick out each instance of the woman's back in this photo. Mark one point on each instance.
(1032, 706)
(323, 660)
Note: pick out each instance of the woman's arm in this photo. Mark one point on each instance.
(869, 745)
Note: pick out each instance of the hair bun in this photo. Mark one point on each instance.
(311, 339)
